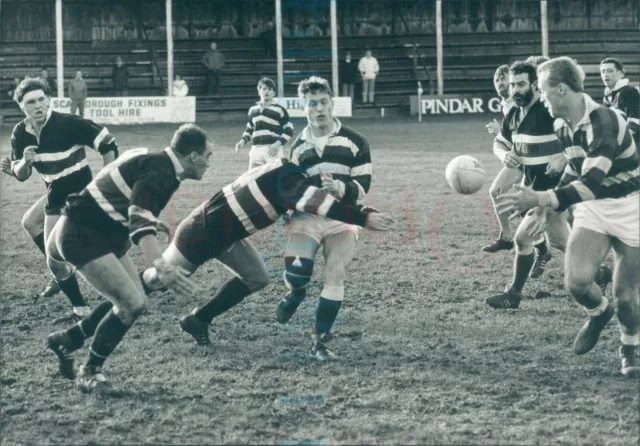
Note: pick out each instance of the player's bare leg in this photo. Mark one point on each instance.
(557, 236)
(64, 275)
(626, 289)
(250, 275)
(585, 251)
(299, 259)
(502, 183)
(338, 254)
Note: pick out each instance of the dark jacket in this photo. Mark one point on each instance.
(348, 72)
(120, 76)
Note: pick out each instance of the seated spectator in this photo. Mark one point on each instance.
(180, 87)
(312, 30)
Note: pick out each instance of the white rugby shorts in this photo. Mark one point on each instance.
(615, 217)
(317, 227)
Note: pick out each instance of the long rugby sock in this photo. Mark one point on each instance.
(542, 247)
(228, 296)
(109, 333)
(326, 314)
(39, 241)
(297, 296)
(71, 288)
(521, 269)
(86, 328)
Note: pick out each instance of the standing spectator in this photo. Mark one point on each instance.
(620, 95)
(348, 72)
(213, 60)
(180, 87)
(268, 37)
(120, 78)
(369, 68)
(44, 75)
(77, 93)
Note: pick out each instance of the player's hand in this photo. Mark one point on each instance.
(274, 148)
(379, 221)
(556, 166)
(175, 278)
(510, 160)
(493, 127)
(519, 199)
(539, 221)
(5, 165)
(239, 145)
(29, 155)
(334, 187)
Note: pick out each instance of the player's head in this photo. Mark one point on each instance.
(318, 101)
(193, 148)
(33, 95)
(561, 82)
(501, 81)
(266, 89)
(536, 60)
(523, 83)
(611, 71)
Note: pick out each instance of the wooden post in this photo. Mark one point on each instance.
(59, 51)
(280, 63)
(440, 71)
(334, 49)
(169, 14)
(544, 28)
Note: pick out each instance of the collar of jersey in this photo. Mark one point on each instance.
(591, 105)
(29, 126)
(621, 83)
(308, 136)
(176, 164)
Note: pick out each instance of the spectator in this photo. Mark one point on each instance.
(44, 75)
(369, 69)
(77, 93)
(268, 37)
(120, 78)
(180, 87)
(213, 61)
(348, 72)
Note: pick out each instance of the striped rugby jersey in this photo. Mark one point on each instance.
(603, 159)
(266, 125)
(127, 195)
(61, 146)
(531, 138)
(625, 98)
(256, 200)
(345, 156)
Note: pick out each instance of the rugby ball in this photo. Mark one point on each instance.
(465, 174)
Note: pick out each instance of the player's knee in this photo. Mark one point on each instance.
(494, 190)
(298, 272)
(333, 292)
(335, 272)
(258, 280)
(523, 242)
(132, 309)
(577, 283)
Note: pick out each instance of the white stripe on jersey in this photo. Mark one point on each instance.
(305, 197)
(332, 168)
(344, 142)
(101, 136)
(265, 133)
(120, 183)
(575, 152)
(65, 172)
(601, 162)
(537, 160)
(105, 205)
(323, 209)
(262, 200)
(237, 209)
(46, 157)
(361, 191)
(531, 139)
(266, 119)
(365, 169)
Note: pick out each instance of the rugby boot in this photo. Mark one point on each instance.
(499, 245)
(61, 345)
(630, 356)
(589, 334)
(319, 348)
(91, 378)
(197, 328)
(51, 290)
(510, 299)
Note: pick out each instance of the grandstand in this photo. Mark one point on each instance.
(138, 35)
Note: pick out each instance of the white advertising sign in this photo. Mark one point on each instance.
(134, 110)
(295, 107)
